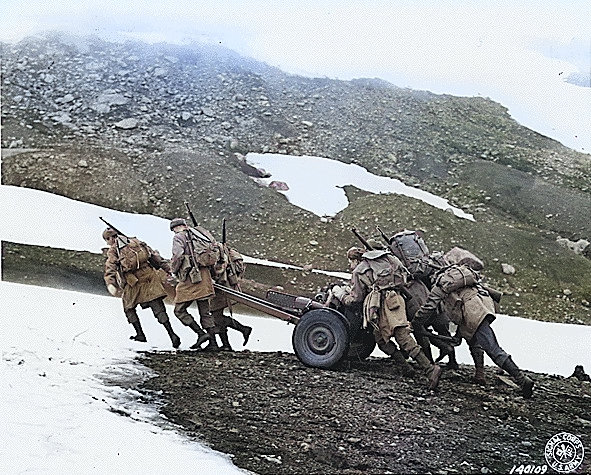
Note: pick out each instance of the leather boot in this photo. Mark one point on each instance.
(174, 338)
(245, 330)
(212, 345)
(524, 382)
(202, 336)
(139, 332)
(432, 371)
(478, 357)
(452, 362)
(400, 362)
(225, 341)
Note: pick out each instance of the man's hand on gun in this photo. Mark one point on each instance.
(339, 292)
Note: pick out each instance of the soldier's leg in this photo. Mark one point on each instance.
(208, 324)
(440, 324)
(180, 310)
(159, 311)
(486, 338)
(478, 357)
(407, 343)
(390, 348)
(133, 319)
(244, 329)
(221, 322)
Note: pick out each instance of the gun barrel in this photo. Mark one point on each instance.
(111, 226)
(362, 239)
(191, 215)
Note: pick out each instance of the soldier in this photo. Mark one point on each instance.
(194, 252)
(458, 292)
(417, 291)
(376, 281)
(130, 272)
(227, 272)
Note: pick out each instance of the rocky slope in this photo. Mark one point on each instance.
(275, 416)
(143, 128)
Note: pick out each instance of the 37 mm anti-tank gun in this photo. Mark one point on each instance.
(324, 335)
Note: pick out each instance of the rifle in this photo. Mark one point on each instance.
(121, 237)
(122, 240)
(384, 237)
(191, 215)
(111, 226)
(362, 239)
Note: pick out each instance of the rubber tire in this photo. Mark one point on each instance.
(321, 338)
(361, 349)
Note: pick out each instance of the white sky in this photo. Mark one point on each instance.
(466, 47)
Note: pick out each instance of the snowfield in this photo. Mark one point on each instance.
(58, 410)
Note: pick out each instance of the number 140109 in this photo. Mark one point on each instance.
(529, 468)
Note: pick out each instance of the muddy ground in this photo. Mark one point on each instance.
(276, 416)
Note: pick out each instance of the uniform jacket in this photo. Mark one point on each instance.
(374, 281)
(182, 264)
(468, 307)
(138, 286)
(227, 272)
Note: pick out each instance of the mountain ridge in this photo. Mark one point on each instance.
(143, 128)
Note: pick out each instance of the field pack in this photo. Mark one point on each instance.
(412, 250)
(133, 255)
(457, 277)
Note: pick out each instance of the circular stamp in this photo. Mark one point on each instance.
(564, 452)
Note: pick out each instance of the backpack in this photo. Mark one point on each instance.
(133, 255)
(411, 249)
(207, 251)
(457, 277)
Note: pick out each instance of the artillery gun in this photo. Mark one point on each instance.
(325, 333)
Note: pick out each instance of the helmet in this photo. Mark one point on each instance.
(109, 233)
(355, 253)
(177, 222)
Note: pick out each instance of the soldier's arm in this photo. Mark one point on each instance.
(157, 261)
(178, 251)
(111, 270)
(357, 292)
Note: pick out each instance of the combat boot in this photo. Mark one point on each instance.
(400, 362)
(174, 338)
(523, 381)
(212, 345)
(139, 332)
(244, 329)
(202, 336)
(225, 342)
(433, 371)
(452, 362)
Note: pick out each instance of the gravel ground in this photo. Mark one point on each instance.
(277, 416)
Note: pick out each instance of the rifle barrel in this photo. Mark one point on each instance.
(362, 239)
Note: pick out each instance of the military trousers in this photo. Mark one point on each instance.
(485, 339)
(158, 309)
(207, 321)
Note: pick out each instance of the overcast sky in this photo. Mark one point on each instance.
(516, 52)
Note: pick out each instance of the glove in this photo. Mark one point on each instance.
(112, 290)
(339, 292)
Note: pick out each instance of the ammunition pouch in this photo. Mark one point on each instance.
(392, 300)
(195, 275)
(131, 279)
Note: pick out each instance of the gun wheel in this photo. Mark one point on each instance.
(321, 338)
